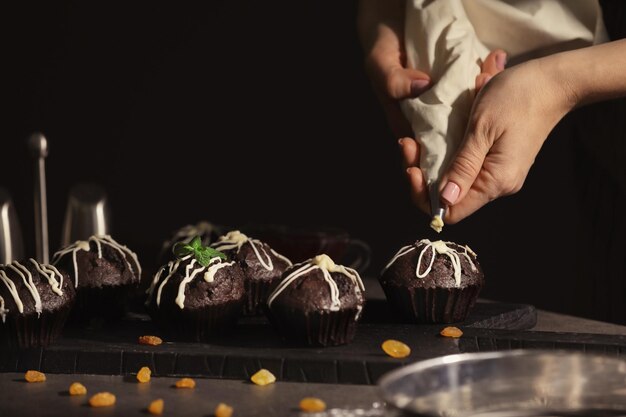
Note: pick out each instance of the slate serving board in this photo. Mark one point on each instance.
(112, 348)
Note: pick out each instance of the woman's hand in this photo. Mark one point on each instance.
(510, 120)
(410, 150)
(381, 29)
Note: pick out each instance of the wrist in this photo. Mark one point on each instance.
(590, 74)
(569, 88)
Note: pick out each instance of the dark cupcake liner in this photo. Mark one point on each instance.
(27, 331)
(432, 305)
(196, 325)
(319, 328)
(108, 302)
(256, 296)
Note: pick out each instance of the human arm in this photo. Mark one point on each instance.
(513, 116)
(381, 31)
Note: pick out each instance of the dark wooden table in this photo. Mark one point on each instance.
(280, 399)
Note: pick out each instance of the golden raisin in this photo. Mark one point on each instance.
(150, 340)
(312, 405)
(263, 377)
(34, 376)
(396, 349)
(156, 407)
(223, 410)
(77, 389)
(144, 374)
(451, 332)
(102, 399)
(185, 383)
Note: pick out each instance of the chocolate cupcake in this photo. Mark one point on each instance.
(208, 233)
(432, 282)
(198, 295)
(105, 275)
(35, 300)
(317, 303)
(261, 265)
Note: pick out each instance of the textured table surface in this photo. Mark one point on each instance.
(50, 398)
(18, 398)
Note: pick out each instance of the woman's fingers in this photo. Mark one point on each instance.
(410, 151)
(419, 190)
(482, 79)
(400, 83)
(494, 63)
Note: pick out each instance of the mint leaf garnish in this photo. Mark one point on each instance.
(182, 249)
(203, 254)
(196, 243)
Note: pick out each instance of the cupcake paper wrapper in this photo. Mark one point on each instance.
(199, 325)
(256, 296)
(27, 331)
(323, 328)
(432, 305)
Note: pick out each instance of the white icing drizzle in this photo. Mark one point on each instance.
(438, 247)
(50, 272)
(215, 264)
(403, 251)
(21, 270)
(98, 241)
(3, 311)
(326, 265)
(11, 287)
(236, 239)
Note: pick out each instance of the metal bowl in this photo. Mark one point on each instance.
(512, 383)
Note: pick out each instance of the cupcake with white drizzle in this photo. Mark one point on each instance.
(198, 295)
(317, 303)
(432, 282)
(35, 301)
(261, 265)
(105, 274)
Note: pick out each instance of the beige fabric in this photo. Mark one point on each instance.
(448, 39)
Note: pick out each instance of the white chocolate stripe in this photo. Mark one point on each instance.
(124, 249)
(288, 280)
(173, 267)
(209, 275)
(215, 264)
(3, 311)
(335, 302)
(236, 239)
(438, 247)
(157, 276)
(19, 268)
(403, 251)
(13, 290)
(269, 265)
(284, 258)
(50, 275)
(180, 297)
(98, 241)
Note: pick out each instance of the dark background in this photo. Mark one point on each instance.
(248, 112)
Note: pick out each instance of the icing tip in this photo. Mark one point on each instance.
(437, 223)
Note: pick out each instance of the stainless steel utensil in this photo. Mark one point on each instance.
(436, 208)
(38, 146)
(516, 383)
(11, 243)
(87, 214)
